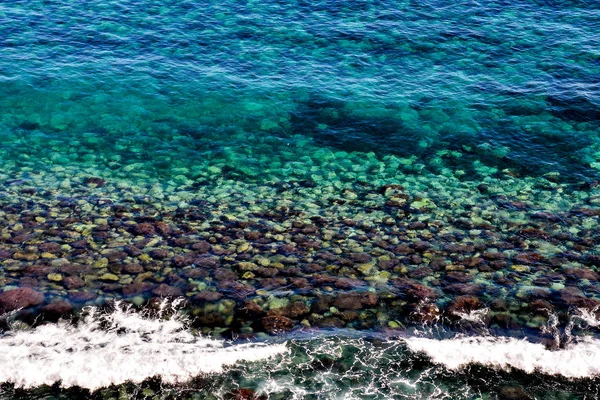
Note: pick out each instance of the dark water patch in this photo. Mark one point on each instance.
(540, 151)
(332, 125)
(574, 107)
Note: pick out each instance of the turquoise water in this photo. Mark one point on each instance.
(402, 78)
(373, 167)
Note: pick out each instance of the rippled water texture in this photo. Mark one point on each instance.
(348, 181)
(512, 83)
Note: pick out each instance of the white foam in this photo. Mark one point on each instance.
(476, 316)
(578, 360)
(106, 349)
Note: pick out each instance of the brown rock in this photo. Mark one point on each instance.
(207, 295)
(135, 288)
(5, 254)
(321, 304)
(252, 309)
(535, 233)
(330, 322)
(402, 249)
(73, 282)
(183, 261)
(276, 324)
(244, 394)
(58, 309)
(82, 297)
(297, 309)
(541, 306)
(464, 288)
(464, 304)
(413, 290)
(235, 290)
(574, 297)
(179, 242)
(144, 229)
(39, 270)
(19, 298)
(116, 256)
(28, 281)
(387, 264)
(421, 246)
(49, 247)
(312, 267)
(224, 274)
(360, 257)
(426, 313)
(457, 276)
(287, 249)
(472, 261)
(164, 290)
(207, 261)
(417, 225)
(513, 393)
(163, 228)
(354, 301)
(458, 248)
(529, 258)
(493, 255)
(132, 251)
(201, 247)
(195, 273)
(420, 273)
(133, 269)
(300, 283)
(79, 244)
(267, 272)
(94, 181)
(20, 239)
(581, 273)
(71, 269)
(253, 235)
(159, 254)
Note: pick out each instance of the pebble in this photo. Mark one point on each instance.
(55, 277)
(109, 277)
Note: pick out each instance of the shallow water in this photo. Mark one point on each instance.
(369, 176)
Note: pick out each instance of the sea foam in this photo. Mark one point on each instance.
(112, 348)
(578, 360)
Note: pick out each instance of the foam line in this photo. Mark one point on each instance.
(577, 360)
(106, 349)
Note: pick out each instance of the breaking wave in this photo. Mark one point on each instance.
(106, 349)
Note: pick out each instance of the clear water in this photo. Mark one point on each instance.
(268, 133)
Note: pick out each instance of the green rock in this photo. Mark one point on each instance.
(394, 325)
(276, 302)
(365, 269)
(101, 263)
(423, 203)
(109, 277)
(520, 268)
(55, 277)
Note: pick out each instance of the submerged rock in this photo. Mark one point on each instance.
(58, 309)
(277, 324)
(19, 298)
(464, 304)
(513, 393)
